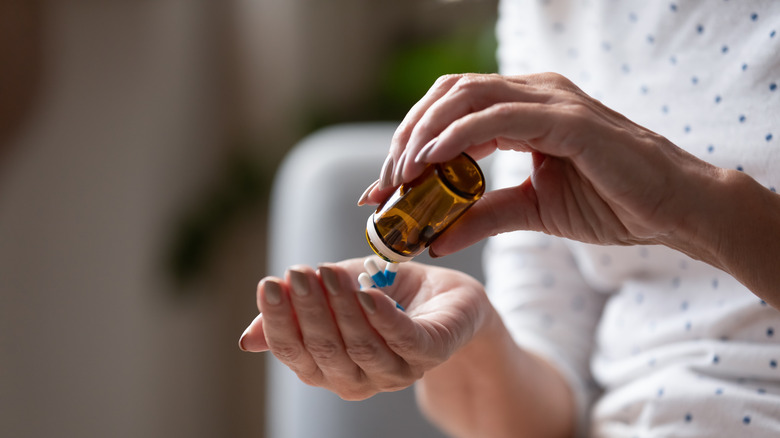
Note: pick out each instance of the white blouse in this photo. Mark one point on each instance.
(653, 342)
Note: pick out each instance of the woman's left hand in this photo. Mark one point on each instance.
(357, 343)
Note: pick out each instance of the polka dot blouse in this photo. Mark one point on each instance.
(653, 342)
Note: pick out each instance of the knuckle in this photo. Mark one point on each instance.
(401, 134)
(447, 79)
(322, 349)
(306, 378)
(556, 80)
(578, 115)
(363, 351)
(469, 83)
(504, 110)
(312, 311)
(287, 353)
(403, 345)
(425, 123)
(553, 77)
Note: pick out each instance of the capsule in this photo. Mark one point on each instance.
(413, 217)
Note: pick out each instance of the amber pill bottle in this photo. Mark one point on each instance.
(412, 217)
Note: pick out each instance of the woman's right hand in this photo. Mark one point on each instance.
(357, 343)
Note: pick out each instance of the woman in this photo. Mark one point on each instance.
(640, 296)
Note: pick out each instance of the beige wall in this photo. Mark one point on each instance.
(137, 104)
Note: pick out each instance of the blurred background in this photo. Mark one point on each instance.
(138, 143)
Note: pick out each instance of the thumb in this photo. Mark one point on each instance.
(498, 211)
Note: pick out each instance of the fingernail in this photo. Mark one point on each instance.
(387, 173)
(422, 156)
(432, 254)
(300, 283)
(398, 174)
(241, 340)
(364, 196)
(273, 292)
(331, 280)
(367, 301)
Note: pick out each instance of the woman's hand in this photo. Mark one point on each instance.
(357, 343)
(597, 177)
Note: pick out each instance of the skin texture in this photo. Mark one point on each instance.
(597, 178)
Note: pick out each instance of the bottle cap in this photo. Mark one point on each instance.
(379, 247)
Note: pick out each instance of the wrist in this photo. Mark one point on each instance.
(704, 214)
(733, 223)
(490, 336)
(492, 387)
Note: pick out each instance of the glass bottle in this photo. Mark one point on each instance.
(412, 217)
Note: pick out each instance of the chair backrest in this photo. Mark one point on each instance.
(314, 219)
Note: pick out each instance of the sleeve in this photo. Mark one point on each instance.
(533, 281)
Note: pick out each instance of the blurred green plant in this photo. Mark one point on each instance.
(416, 66)
(411, 69)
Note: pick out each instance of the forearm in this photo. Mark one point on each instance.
(493, 388)
(738, 231)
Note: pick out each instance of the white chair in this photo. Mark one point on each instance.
(314, 219)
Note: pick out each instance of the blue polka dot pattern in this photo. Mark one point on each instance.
(703, 75)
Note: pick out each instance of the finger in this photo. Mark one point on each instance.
(282, 332)
(399, 331)
(363, 344)
(364, 197)
(374, 195)
(470, 94)
(577, 130)
(319, 332)
(498, 211)
(504, 124)
(253, 338)
(386, 174)
(405, 128)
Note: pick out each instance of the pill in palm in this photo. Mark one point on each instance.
(390, 270)
(365, 281)
(376, 275)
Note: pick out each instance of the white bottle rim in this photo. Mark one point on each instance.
(384, 250)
